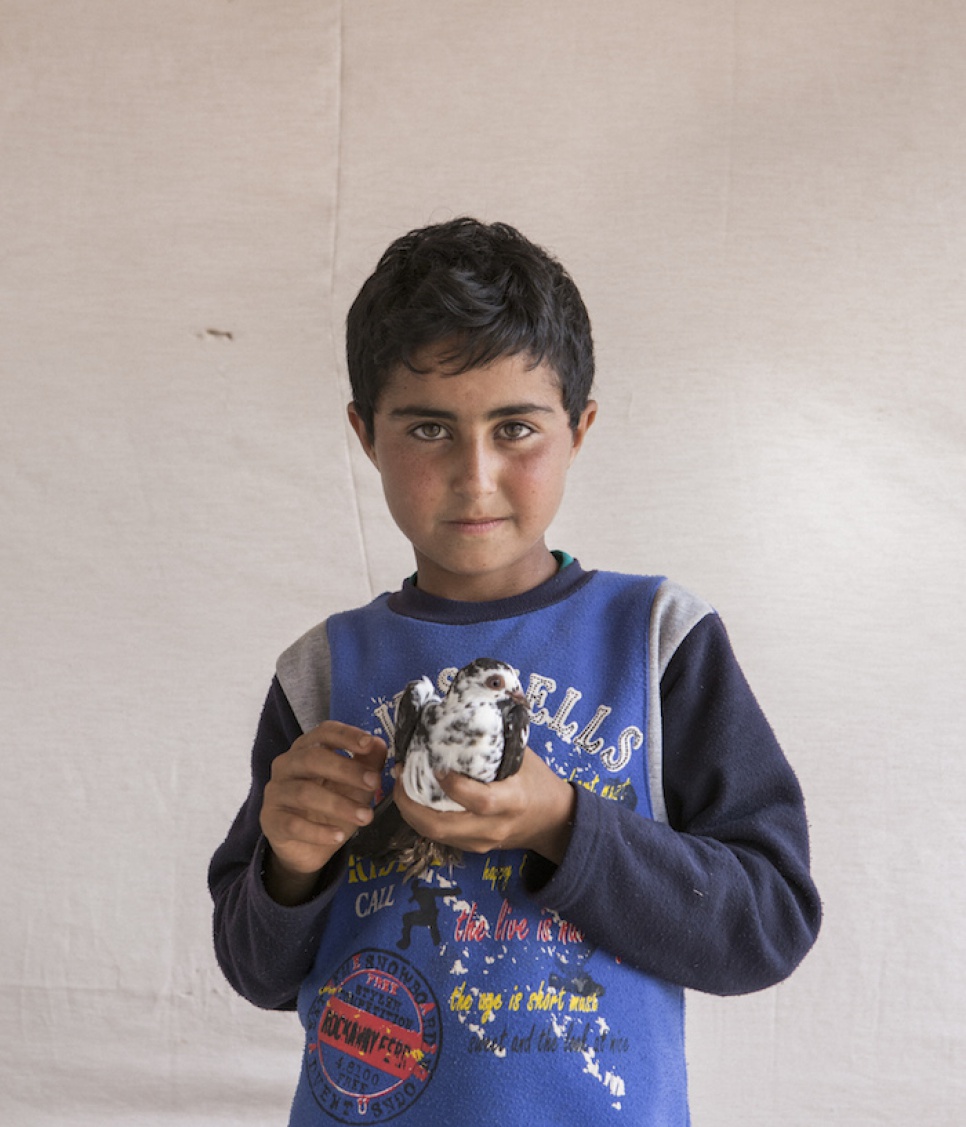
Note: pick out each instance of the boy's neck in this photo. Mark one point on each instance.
(412, 601)
(486, 587)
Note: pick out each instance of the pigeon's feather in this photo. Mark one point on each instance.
(414, 698)
(516, 729)
(479, 729)
(376, 840)
(387, 833)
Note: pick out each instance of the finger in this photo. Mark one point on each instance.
(324, 803)
(315, 802)
(340, 773)
(439, 825)
(289, 832)
(320, 799)
(337, 736)
(323, 764)
(484, 799)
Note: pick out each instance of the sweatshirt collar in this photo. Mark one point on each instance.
(412, 602)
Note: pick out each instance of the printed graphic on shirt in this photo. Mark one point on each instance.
(512, 982)
(374, 1038)
(515, 985)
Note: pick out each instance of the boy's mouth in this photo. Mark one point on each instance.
(476, 525)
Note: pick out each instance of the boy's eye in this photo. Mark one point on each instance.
(514, 431)
(429, 432)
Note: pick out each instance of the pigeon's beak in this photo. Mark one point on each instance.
(517, 695)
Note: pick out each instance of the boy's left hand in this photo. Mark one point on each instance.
(532, 809)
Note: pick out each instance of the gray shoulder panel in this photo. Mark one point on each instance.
(305, 672)
(674, 614)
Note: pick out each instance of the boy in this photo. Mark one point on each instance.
(653, 839)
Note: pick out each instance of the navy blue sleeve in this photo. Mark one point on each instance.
(719, 900)
(264, 949)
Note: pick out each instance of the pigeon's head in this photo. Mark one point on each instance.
(487, 679)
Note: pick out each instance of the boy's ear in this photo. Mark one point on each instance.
(584, 423)
(362, 433)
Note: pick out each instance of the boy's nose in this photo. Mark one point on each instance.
(474, 473)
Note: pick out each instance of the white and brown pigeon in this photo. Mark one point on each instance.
(479, 728)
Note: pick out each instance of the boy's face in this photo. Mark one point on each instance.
(473, 468)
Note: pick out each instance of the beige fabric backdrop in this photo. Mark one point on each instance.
(763, 203)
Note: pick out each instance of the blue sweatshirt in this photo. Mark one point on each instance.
(510, 990)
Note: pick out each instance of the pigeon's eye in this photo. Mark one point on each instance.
(495, 681)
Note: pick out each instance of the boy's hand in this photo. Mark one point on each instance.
(533, 809)
(313, 803)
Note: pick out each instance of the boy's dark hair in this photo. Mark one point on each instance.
(484, 290)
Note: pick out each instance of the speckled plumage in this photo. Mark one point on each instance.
(478, 728)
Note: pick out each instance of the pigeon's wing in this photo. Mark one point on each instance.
(516, 731)
(377, 839)
(387, 828)
(414, 698)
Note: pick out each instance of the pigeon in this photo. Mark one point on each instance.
(479, 728)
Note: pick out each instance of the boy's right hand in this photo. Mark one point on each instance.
(313, 803)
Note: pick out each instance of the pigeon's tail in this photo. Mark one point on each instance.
(422, 853)
(388, 838)
(376, 840)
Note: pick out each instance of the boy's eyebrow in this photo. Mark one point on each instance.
(416, 410)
